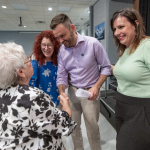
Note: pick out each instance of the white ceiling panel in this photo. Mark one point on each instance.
(82, 3)
(9, 11)
(37, 13)
(33, 3)
(84, 0)
(67, 13)
(79, 5)
(5, 19)
(65, 5)
(8, 6)
(39, 17)
(48, 18)
(34, 29)
(3, 2)
(2, 15)
(49, 13)
(28, 20)
(64, 9)
(37, 10)
(79, 10)
(74, 14)
(49, 1)
(50, 4)
(45, 8)
(13, 16)
(15, 1)
(66, 1)
(21, 12)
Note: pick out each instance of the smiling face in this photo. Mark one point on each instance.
(47, 48)
(64, 35)
(124, 31)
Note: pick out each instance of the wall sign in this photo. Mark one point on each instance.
(100, 31)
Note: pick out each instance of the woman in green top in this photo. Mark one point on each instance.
(133, 76)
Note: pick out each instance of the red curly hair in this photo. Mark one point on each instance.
(37, 52)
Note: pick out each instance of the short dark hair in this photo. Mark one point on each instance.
(60, 18)
(132, 15)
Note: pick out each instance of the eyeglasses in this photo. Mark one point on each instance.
(48, 45)
(29, 60)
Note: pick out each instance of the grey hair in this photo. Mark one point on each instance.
(12, 58)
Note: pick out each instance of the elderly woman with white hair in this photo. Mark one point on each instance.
(28, 117)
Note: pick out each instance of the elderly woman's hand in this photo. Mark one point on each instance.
(65, 102)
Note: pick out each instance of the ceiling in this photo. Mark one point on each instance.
(124, 1)
(36, 16)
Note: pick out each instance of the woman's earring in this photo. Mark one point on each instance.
(135, 32)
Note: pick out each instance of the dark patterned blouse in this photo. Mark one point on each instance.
(29, 120)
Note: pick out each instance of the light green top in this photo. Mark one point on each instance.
(133, 71)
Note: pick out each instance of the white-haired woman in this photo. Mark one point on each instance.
(28, 118)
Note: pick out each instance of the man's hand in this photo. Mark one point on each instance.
(63, 101)
(66, 97)
(94, 93)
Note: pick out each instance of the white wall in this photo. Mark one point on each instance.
(102, 12)
(113, 7)
(84, 30)
(26, 40)
(100, 15)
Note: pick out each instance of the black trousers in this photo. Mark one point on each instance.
(132, 123)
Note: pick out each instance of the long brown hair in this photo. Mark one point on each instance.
(37, 52)
(132, 15)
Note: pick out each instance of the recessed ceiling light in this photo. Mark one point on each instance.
(24, 26)
(4, 7)
(50, 8)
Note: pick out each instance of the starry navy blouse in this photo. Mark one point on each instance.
(45, 78)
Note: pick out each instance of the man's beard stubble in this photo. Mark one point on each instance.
(70, 40)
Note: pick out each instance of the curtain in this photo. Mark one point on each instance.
(144, 9)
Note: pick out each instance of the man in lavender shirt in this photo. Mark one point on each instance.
(79, 58)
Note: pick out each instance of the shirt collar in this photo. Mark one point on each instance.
(79, 38)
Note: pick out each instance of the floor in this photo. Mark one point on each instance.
(107, 133)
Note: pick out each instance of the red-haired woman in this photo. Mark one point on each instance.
(44, 64)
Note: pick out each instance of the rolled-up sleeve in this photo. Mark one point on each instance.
(62, 74)
(102, 58)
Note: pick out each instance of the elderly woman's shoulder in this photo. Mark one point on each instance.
(38, 92)
(35, 89)
(35, 93)
(27, 89)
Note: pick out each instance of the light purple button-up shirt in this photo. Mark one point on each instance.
(82, 62)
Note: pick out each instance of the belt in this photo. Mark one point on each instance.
(81, 88)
